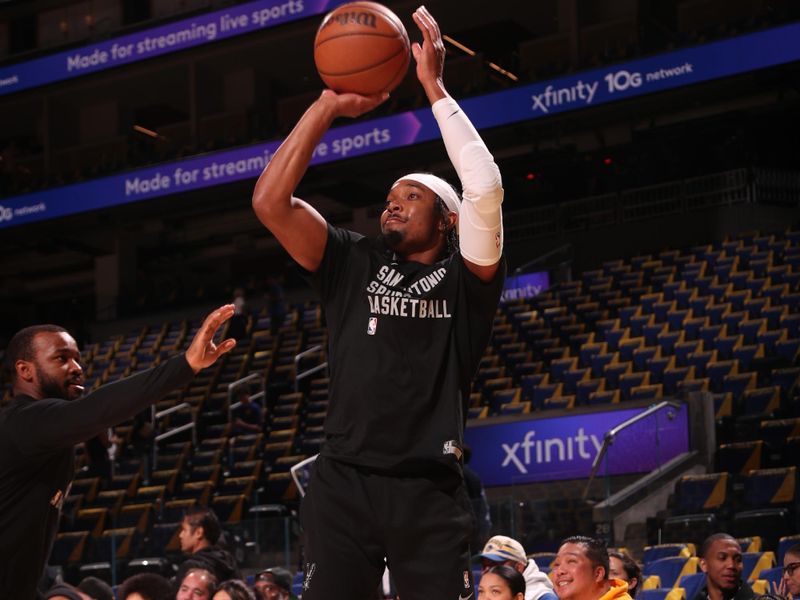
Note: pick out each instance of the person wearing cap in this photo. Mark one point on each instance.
(503, 550)
(274, 584)
(409, 315)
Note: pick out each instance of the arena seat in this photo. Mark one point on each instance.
(784, 543)
(740, 457)
(675, 593)
(69, 548)
(692, 583)
(760, 401)
(696, 493)
(671, 569)
(658, 551)
(693, 528)
(753, 563)
(768, 499)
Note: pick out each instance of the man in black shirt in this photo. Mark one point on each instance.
(408, 316)
(200, 532)
(721, 561)
(48, 415)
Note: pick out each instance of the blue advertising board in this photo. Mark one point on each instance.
(658, 73)
(554, 448)
(525, 285)
(157, 41)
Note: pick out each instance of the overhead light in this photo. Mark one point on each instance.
(146, 131)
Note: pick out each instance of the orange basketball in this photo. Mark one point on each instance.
(362, 47)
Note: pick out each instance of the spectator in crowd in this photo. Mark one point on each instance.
(146, 586)
(48, 414)
(622, 566)
(721, 561)
(63, 591)
(501, 582)
(789, 586)
(233, 589)
(503, 550)
(199, 537)
(101, 450)
(477, 496)
(197, 584)
(274, 584)
(247, 417)
(96, 588)
(580, 571)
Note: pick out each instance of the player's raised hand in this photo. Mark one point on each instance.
(347, 104)
(203, 352)
(430, 54)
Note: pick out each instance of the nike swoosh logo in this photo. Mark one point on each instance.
(460, 597)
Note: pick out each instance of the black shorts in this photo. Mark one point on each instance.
(356, 521)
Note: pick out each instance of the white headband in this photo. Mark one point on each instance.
(438, 186)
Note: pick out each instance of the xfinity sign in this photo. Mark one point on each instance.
(547, 449)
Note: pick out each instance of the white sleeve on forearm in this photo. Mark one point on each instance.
(480, 220)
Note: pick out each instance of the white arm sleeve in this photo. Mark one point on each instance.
(480, 219)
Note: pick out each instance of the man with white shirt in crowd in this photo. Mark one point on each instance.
(503, 550)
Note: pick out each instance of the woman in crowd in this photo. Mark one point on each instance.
(501, 583)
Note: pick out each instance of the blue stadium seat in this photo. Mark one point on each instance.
(671, 569)
(785, 543)
(760, 401)
(673, 376)
(740, 457)
(755, 562)
(661, 594)
(699, 493)
(692, 583)
(652, 553)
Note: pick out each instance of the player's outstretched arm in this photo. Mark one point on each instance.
(203, 352)
(480, 219)
(299, 228)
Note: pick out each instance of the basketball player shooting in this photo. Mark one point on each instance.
(409, 316)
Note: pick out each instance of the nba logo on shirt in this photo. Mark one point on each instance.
(372, 325)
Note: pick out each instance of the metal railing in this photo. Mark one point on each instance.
(260, 396)
(309, 372)
(612, 433)
(175, 430)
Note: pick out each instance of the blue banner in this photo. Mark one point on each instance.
(173, 37)
(548, 449)
(525, 285)
(591, 88)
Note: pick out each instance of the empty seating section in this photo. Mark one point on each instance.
(721, 318)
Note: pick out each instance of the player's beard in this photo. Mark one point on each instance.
(49, 387)
(393, 238)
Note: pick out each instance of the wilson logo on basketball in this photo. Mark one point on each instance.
(366, 19)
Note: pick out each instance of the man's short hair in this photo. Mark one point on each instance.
(211, 578)
(205, 517)
(21, 346)
(714, 537)
(596, 550)
(150, 586)
(96, 588)
(793, 550)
